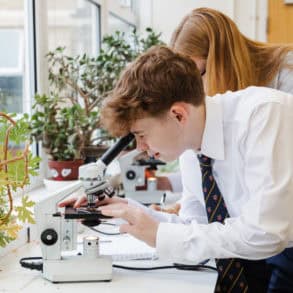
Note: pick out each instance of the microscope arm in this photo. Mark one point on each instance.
(49, 205)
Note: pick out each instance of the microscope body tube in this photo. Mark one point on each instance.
(114, 151)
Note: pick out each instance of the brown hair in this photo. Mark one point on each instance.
(233, 61)
(149, 87)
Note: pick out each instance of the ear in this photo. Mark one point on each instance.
(180, 112)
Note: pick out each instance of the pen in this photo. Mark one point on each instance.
(162, 202)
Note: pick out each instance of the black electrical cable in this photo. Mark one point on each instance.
(174, 266)
(109, 224)
(143, 268)
(198, 267)
(104, 233)
(39, 266)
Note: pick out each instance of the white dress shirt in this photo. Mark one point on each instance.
(249, 135)
(283, 81)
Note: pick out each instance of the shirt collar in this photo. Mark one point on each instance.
(213, 141)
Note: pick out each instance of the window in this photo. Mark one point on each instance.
(17, 54)
(116, 23)
(73, 24)
(12, 73)
(29, 29)
(126, 3)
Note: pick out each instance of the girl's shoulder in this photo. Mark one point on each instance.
(284, 78)
(286, 68)
(288, 60)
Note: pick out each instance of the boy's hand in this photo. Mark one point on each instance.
(75, 202)
(140, 225)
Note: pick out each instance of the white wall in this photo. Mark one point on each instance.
(164, 15)
(251, 18)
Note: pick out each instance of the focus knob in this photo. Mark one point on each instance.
(130, 175)
(49, 237)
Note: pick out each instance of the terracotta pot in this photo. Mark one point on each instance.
(64, 170)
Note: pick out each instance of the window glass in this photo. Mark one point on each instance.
(115, 23)
(12, 56)
(125, 3)
(73, 24)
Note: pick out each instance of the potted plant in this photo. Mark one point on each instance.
(60, 129)
(67, 120)
(16, 166)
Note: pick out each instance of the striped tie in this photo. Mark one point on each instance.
(230, 271)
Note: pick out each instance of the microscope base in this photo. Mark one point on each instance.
(78, 269)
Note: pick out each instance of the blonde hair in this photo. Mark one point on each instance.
(233, 61)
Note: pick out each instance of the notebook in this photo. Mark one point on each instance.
(125, 247)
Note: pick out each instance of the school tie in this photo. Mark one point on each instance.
(230, 271)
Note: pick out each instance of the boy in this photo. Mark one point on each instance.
(244, 142)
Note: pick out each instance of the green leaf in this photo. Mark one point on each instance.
(24, 213)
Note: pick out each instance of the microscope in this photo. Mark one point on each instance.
(58, 231)
(138, 177)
